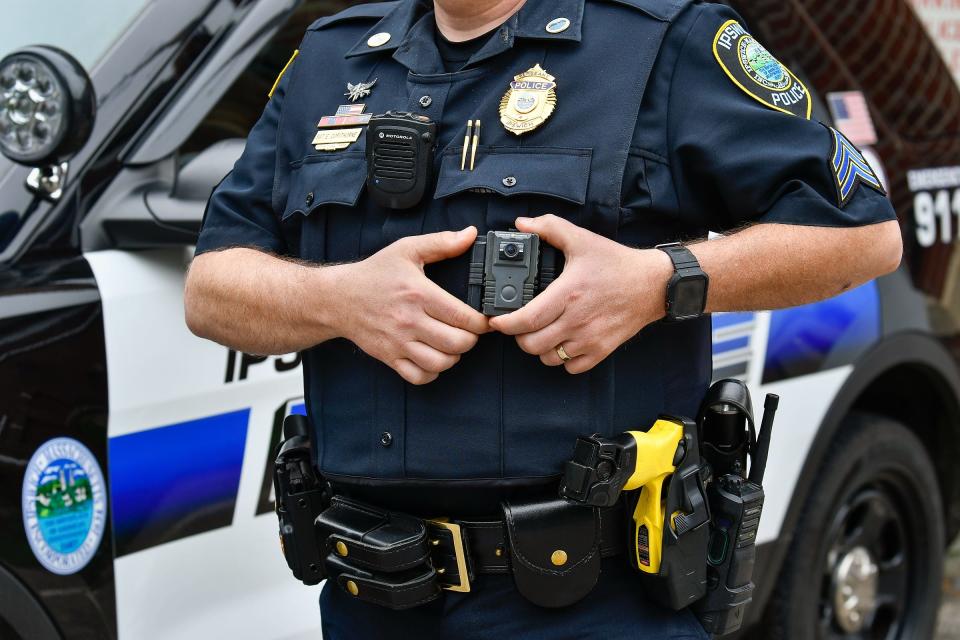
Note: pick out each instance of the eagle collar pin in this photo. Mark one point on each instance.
(360, 90)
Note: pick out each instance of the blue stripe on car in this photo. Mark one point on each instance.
(175, 481)
(726, 346)
(723, 320)
(733, 335)
(823, 335)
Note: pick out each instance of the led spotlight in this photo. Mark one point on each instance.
(47, 106)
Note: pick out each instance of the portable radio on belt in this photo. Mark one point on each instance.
(399, 158)
(736, 501)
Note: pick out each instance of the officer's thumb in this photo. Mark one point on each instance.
(434, 247)
(552, 229)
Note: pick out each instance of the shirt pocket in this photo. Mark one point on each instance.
(319, 220)
(517, 181)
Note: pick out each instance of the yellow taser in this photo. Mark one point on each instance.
(657, 452)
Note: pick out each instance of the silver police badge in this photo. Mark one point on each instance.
(528, 103)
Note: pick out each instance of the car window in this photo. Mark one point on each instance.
(84, 28)
(241, 106)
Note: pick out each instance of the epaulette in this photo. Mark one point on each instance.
(356, 12)
(663, 10)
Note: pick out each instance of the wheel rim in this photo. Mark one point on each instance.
(868, 567)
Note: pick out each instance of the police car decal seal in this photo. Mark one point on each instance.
(850, 169)
(761, 76)
(64, 505)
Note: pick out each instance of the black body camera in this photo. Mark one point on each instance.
(507, 269)
(399, 158)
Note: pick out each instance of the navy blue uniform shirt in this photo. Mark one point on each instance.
(658, 135)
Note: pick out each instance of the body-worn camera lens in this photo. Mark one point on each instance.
(511, 250)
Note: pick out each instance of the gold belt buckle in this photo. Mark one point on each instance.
(459, 551)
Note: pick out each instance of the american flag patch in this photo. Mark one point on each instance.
(350, 109)
(852, 117)
(850, 169)
(343, 121)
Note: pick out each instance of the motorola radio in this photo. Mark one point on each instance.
(736, 500)
(400, 149)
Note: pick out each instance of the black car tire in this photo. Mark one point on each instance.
(874, 461)
(21, 615)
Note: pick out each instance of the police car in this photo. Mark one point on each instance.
(135, 459)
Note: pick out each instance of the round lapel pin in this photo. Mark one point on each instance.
(558, 25)
(378, 39)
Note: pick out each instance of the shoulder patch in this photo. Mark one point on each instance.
(663, 10)
(761, 76)
(356, 12)
(850, 169)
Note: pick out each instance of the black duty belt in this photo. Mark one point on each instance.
(552, 548)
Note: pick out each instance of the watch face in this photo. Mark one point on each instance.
(689, 297)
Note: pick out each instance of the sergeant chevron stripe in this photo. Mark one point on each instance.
(850, 169)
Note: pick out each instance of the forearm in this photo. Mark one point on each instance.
(772, 266)
(258, 303)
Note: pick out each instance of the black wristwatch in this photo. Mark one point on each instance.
(687, 289)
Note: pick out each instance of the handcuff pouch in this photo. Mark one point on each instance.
(554, 550)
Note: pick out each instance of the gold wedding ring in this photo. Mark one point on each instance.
(563, 354)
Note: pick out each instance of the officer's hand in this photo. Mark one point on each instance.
(606, 294)
(399, 316)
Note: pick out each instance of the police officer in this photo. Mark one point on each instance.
(608, 127)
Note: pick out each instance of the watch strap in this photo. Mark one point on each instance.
(685, 265)
(682, 257)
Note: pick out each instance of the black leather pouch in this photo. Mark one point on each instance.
(371, 538)
(398, 591)
(554, 550)
(376, 555)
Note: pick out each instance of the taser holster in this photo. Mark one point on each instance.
(681, 577)
(660, 475)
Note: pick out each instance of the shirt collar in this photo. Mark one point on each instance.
(530, 22)
(534, 17)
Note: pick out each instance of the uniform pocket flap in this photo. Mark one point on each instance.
(326, 179)
(554, 550)
(560, 173)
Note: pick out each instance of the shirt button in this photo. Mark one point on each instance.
(386, 439)
(509, 181)
(309, 200)
(426, 101)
